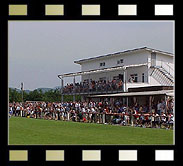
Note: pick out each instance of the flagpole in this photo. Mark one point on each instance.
(22, 92)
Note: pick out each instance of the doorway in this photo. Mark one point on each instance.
(153, 59)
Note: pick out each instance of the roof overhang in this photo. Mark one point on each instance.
(145, 93)
(124, 52)
(100, 70)
(159, 51)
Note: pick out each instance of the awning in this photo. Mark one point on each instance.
(145, 93)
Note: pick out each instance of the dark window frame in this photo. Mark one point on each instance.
(120, 61)
(102, 64)
(143, 77)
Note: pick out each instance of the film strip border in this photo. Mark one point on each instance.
(90, 10)
(87, 156)
(56, 155)
(85, 9)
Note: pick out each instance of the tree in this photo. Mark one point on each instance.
(38, 95)
(14, 95)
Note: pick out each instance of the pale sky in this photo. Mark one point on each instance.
(40, 50)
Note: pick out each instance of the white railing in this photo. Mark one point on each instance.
(165, 65)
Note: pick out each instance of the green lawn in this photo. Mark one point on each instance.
(23, 131)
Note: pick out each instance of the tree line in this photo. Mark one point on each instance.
(39, 95)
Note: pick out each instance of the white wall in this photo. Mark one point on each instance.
(139, 57)
(128, 59)
(139, 71)
(97, 76)
(165, 58)
(165, 61)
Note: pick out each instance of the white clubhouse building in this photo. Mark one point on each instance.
(148, 67)
(137, 68)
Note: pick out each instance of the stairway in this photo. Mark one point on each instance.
(162, 75)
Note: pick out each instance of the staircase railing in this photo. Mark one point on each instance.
(166, 66)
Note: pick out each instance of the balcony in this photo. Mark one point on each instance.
(94, 87)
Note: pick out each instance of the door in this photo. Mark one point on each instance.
(121, 77)
(153, 59)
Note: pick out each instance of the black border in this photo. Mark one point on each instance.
(109, 153)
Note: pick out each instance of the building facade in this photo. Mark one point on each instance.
(140, 67)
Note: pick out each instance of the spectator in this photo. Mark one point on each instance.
(97, 112)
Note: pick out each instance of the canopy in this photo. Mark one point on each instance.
(145, 93)
(100, 70)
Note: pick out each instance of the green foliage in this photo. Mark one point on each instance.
(38, 95)
(14, 95)
(70, 98)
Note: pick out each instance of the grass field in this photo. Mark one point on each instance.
(23, 131)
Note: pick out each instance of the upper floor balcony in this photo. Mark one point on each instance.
(94, 87)
(128, 80)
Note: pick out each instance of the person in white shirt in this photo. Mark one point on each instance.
(83, 110)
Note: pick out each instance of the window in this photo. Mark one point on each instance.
(120, 61)
(133, 78)
(142, 77)
(102, 64)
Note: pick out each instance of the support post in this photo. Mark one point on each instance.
(22, 88)
(127, 102)
(165, 104)
(22, 96)
(61, 90)
(124, 80)
(68, 116)
(150, 103)
(148, 70)
(103, 120)
(89, 84)
(74, 90)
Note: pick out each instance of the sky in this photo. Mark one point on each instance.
(40, 50)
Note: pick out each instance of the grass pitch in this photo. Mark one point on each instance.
(23, 131)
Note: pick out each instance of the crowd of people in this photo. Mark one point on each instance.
(159, 115)
(94, 86)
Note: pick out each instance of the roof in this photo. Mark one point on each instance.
(145, 93)
(124, 52)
